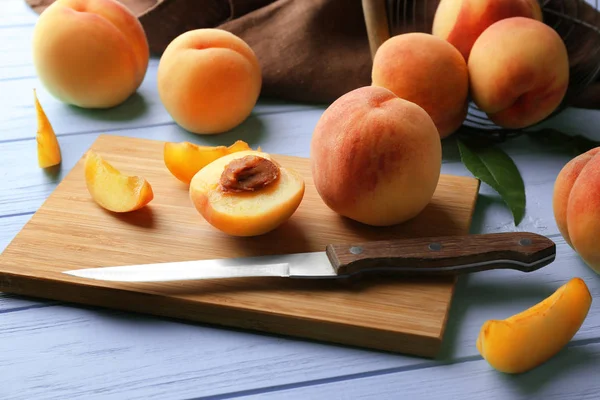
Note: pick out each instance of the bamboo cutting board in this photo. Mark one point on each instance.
(70, 231)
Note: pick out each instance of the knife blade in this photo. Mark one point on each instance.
(522, 251)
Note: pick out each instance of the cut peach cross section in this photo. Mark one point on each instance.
(48, 149)
(113, 190)
(185, 159)
(246, 193)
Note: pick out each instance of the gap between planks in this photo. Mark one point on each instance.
(259, 113)
(273, 390)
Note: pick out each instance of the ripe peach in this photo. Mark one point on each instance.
(519, 72)
(209, 80)
(427, 71)
(576, 204)
(460, 22)
(375, 157)
(185, 159)
(90, 53)
(246, 193)
(113, 190)
(48, 148)
(530, 338)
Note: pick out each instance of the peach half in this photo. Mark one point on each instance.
(460, 22)
(247, 193)
(533, 336)
(48, 149)
(576, 205)
(185, 159)
(90, 53)
(518, 71)
(208, 80)
(113, 190)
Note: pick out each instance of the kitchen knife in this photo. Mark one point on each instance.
(523, 251)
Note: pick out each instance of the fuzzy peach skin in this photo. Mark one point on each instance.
(249, 213)
(90, 53)
(428, 71)
(530, 338)
(375, 158)
(209, 80)
(460, 22)
(576, 204)
(519, 72)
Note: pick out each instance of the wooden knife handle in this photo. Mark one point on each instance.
(523, 251)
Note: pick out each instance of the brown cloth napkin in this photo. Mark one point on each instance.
(317, 50)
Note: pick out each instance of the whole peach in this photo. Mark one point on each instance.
(519, 72)
(90, 53)
(209, 80)
(375, 158)
(427, 71)
(460, 22)
(576, 204)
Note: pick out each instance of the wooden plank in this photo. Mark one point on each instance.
(25, 188)
(9, 227)
(478, 297)
(197, 360)
(396, 315)
(500, 294)
(142, 109)
(571, 375)
(16, 60)
(16, 13)
(95, 353)
(15, 303)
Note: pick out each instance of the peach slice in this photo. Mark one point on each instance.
(247, 193)
(113, 190)
(48, 149)
(530, 338)
(185, 159)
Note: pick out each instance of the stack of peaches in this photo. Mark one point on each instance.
(375, 152)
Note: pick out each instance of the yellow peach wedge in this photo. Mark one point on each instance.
(530, 338)
(185, 159)
(112, 189)
(48, 149)
(247, 193)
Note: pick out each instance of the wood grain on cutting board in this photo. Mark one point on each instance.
(70, 231)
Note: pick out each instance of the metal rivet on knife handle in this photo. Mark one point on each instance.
(356, 250)
(525, 242)
(435, 246)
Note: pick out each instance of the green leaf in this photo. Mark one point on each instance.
(494, 167)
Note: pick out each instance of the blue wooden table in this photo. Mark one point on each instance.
(50, 350)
